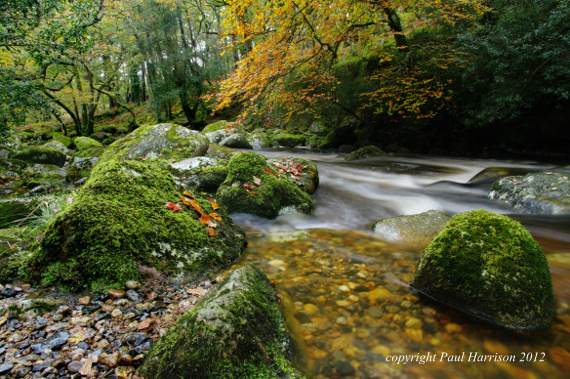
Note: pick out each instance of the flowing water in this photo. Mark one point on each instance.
(345, 293)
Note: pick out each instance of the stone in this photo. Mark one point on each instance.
(115, 294)
(234, 326)
(86, 300)
(545, 193)
(217, 135)
(133, 295)
(74, 366)
(259, 139)
(489, 266)
(418, 230)
(116, 313)
(239, 192)
(133, 285)
(236, 141)
(54, 342)
(288, 140)
(304, 172)
(109, 360)
(168, 142)
(41, 155)
(6, 367)
(365, 152)
(101, 249)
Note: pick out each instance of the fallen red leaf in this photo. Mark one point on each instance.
(175, 207)
(212, 232)
(267, 170)
(205, 219)
(248, 186)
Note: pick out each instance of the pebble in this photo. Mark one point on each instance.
(6, 367)
(86, 300)
(133, 285)
(414, 323)
(116, 313)
(115, 294)
(453, 328)
(375, 312)
(109, 360)
(74, 366)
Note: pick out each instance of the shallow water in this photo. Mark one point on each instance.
(345, 293)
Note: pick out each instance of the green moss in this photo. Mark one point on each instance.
(266, 199)
(209, 179)
(489, 266)
(66, 141)
(218, 125)
(235, 331)
(41, 155)
(15, 253)
(86, 143)
(118, 220)
(365, 152)
(289, 140)
(91, 152)
(221, 152)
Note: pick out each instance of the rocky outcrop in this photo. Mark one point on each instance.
(545, 193)
(419, 229)
(488, 266)
(235, 331)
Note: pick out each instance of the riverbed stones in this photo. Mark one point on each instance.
(169, 142)
(236, 330)
(544, 193)
(419, 229)
(119, 220)
(251, 186)
(488, 265)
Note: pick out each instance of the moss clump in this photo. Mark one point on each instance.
(118, 220)
(41, 155)
(218, 125)
(209, 179)
(235, 331)
(489, 266)
(86, 143)
(64, 140)
(163, 141)
(239, 193)
(365, 152)
(89, 153)
(289, 140)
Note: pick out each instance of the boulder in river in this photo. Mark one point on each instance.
(489, 266)
(418, 229)
(303, 172)
(370, 151)
(236, 141)
(545, 193)
(254, 186)
(129, 213)
(169, 142)
(236, 330)
(288, 139)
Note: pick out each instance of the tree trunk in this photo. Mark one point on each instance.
(396, 26)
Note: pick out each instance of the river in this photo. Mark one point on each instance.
(345, 294)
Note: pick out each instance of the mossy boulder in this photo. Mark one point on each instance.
(86, 143)
(207, 179)
(545, 193)
(41, 155)
(489, 266)
(217, 135)
(218, 125)
(259, 139)
(235, 331)
(169, 142)
(119, 220)
(303, 172)
(288, 139)
(250, 188)
(63, 139)
(236, 141)
(365, 152)
(419, 229)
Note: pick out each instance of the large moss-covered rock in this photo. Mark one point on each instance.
(236, 141)
(63, 139)
(419, 229)
(235, 331)
(168, 142)
(289, 140)
(536, 193)
(259, 139)
(86, 143)
(488, 265)
(249, 188)
(41, 155)
(119, 220)
(218, 125)
(365, 152)
(303, 172)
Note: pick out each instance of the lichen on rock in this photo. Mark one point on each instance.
(119, 220)
(265, 196)
(236, 330)
(489, 266)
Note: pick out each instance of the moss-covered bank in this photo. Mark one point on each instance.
(489, 266)
(235, 331)
(119, 220)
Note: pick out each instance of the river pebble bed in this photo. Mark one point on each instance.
(65, 336)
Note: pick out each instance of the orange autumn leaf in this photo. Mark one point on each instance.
(205, 219)
(175, 207)
(185, 201)
(212, 232)
(186, 193)
(216, 217)
(194, 204)
(214, 204)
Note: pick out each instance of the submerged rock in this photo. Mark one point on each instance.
(236, 330)
(488, 265)
(537, 193)
(365, 152)
(252, 187)
(119, 220)
(168, 142)
(418, 229)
